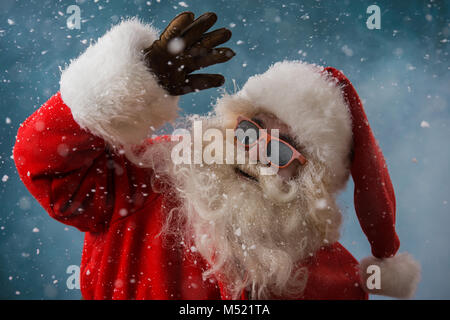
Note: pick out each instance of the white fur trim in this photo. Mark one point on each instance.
(310, 102)
(111, 92)
(399, 275)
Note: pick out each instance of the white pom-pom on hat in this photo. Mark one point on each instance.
(399, 275)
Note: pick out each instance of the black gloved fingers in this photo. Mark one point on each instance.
(192, 33)
(214, 38)
(213, 56)
(176, 26)
(201, 81)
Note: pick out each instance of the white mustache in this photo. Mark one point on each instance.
(276, 188)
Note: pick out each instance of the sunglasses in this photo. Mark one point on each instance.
(248, 133)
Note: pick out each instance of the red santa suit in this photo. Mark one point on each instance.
(65, 158)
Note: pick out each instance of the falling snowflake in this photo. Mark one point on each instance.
(347, 51)
(424, 124)
(176, 45)
(321, 204)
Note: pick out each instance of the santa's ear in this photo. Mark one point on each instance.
(396, 277)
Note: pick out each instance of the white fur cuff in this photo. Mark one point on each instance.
(110, 90)
(394, 277)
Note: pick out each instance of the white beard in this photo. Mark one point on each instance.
(253, 234)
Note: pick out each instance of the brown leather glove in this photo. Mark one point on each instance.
(184, 47)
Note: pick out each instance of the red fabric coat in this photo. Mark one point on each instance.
(82, 184)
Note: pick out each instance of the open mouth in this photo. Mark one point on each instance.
(245, 174)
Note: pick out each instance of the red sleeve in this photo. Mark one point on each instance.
(72, 173)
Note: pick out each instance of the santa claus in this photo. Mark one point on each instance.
(155, 229)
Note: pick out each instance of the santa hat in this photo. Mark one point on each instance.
(327, 118)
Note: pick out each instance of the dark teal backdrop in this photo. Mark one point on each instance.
(400, 71)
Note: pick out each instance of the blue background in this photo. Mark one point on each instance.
(400, 71)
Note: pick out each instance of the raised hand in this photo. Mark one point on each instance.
(183, 48)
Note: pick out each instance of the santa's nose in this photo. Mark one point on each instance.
(257, 153)
(253, 154)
